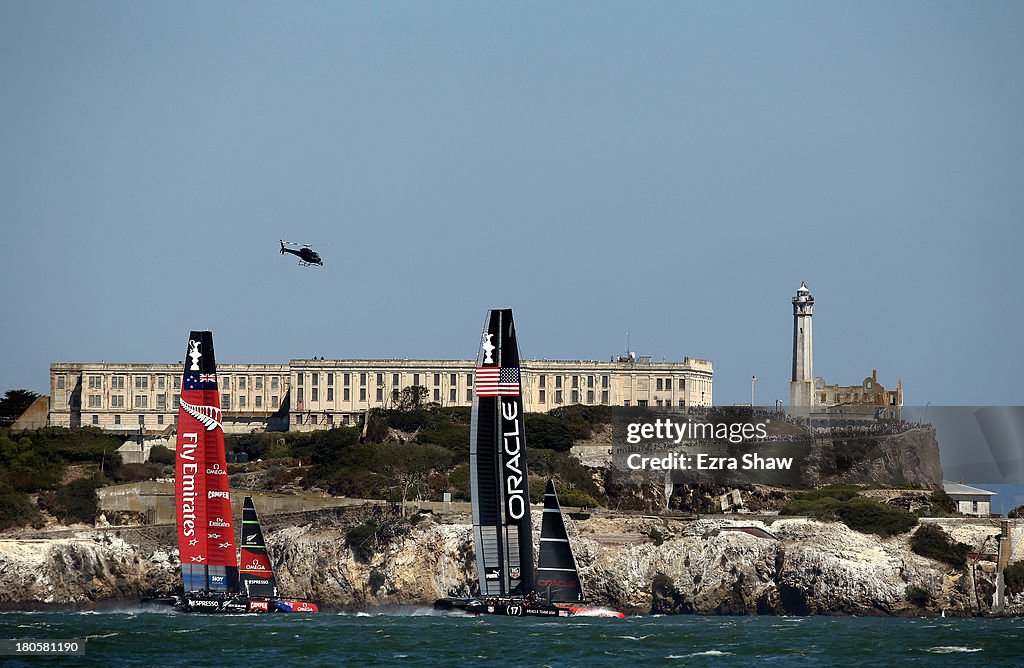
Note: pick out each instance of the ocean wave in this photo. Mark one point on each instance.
(649, 635)
(954, 649)
(709, 652)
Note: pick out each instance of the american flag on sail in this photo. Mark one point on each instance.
(492, 381)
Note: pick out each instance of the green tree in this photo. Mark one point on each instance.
(14, 403)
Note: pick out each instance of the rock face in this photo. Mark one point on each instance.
(792, 566)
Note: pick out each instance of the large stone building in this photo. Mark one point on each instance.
(811, 396)
(309, 394)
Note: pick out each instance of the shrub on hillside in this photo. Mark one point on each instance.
(932, 542)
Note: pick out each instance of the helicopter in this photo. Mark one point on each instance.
(306, 254)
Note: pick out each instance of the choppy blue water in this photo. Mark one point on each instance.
(420, 638)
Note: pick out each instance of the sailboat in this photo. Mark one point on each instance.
(206, 534)
(502, 532)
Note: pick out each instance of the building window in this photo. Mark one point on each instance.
(541, 396)
(177, 402)
(668, 383)
(575, 396)
(275, 383)
(362, 394)
(626, 403)
(275, 401)
(259, 382)
(302, 396)
(330, 379)
(590, 381)
(142, 420)
(161, 401)
(394, 379)
(380, 394)
(469, 379)
(225, 401)
(558, 396)
(604, 382)
(176, 382)
(452, 395)
(314, 394)
(160, 419)
(437, 379)
(974, 507)
(95, 382)
(415, 379)
(241, 402)
(590, 396)
(469, 395)
(95, 401)
(141, 401)
(682, 403)
(642, 403)
(558, 382)
(542, 382)
(659, 385)
(380, 379)
(117, 383)
(330, 394)
(241, 382)
(259, 401)
(95, 419)
(315, 379)
(117, 419)
(312, 419)
(454, 379)
(345, 394)
(362, 379)
(575, 381)
(298, 419)
(160, 382)
(225, 382)
(437, 394)
(604, 397)
(60, 384)
(346, 379)
(330, 418)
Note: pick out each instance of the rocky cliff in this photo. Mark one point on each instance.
(716, 566)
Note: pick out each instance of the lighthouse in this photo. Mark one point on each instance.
(801, 388)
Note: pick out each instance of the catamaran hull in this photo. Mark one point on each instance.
(514, 607)
(241, 605)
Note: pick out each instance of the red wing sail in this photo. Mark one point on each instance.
(206, 535)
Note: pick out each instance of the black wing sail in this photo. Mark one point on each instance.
(257, 573)
(498, 474)
(558, 578)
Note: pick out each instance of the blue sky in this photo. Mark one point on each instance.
(671, 169)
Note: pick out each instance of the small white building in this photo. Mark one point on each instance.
(969, 500)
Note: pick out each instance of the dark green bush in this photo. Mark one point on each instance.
(1013, 576)
(74, 502)
(840, 502)
(158, 454)
(932, 542)
(16, 508)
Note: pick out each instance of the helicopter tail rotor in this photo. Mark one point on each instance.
(282, 246)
